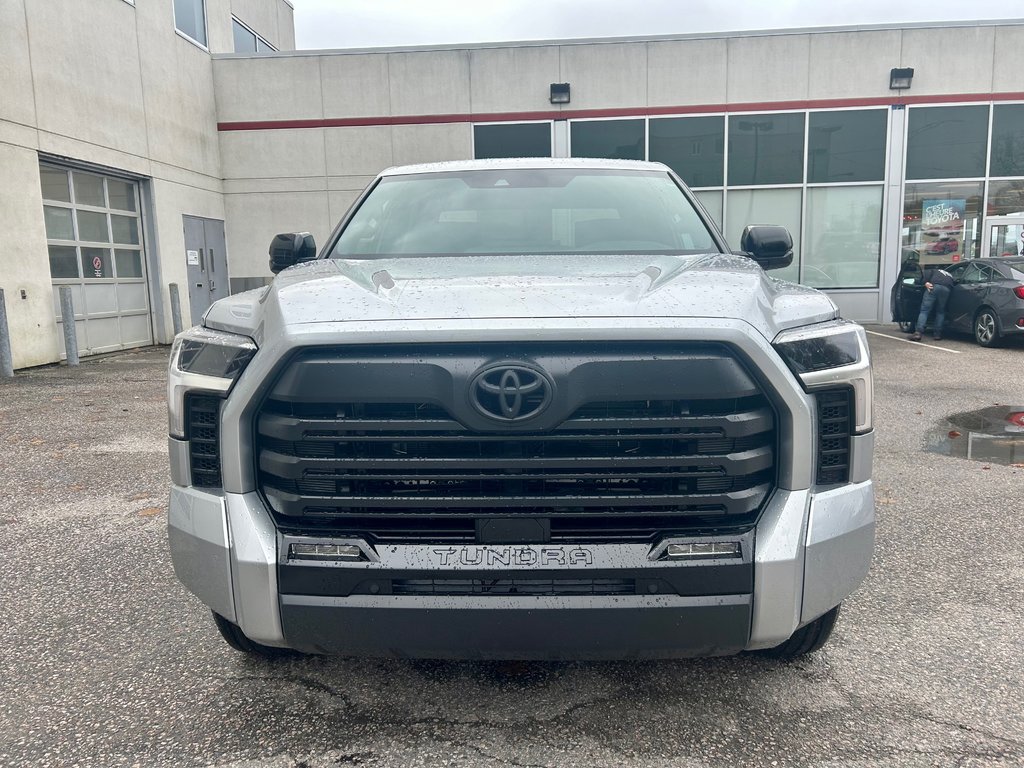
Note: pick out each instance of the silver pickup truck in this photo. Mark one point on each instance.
(523, 409)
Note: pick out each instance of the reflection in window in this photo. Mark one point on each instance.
(63, 261)
(946, 142)
(941, 222)
(843, 237)
(766, 149)
(693, 147)
(612, 139)
(1006, 198)
(1007, 140)
(848, 145)
(190, 19)
(766, 206)
(245, 41)
(512, 140)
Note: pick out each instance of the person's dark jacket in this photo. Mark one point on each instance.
(938, 276)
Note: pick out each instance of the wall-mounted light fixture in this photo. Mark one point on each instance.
(559, 93)
(899, 78)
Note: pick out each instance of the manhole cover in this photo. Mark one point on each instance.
(994, 434)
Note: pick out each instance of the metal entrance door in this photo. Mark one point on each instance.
(205, 262)
(1003, 236)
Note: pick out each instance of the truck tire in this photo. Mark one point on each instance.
(234, 637)
(805, 640)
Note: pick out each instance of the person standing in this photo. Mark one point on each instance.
(937, 283)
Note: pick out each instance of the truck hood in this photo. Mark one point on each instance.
(524, 287)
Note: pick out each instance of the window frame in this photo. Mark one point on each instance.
(259, 38)
(185, 35)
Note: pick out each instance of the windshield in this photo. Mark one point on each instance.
(524, 211)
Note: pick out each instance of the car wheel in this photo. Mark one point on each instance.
(986, 328)
(233, 636)
(805, 640)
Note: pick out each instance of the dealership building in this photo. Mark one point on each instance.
(170, 154)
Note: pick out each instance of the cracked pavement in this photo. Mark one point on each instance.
(107, 661)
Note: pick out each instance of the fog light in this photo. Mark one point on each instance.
(704, 549)
(324, 552)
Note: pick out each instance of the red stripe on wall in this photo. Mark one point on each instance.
(572, 114)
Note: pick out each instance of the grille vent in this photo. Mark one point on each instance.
(835, 411)
(203, 423)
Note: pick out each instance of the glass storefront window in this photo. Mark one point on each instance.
(946, 142)
(942, 222)
(766, 149)
(712, 202)
(1006, 198)
(846, 146)
(1007, 140)
(766, 206)
(613, 139)
(843, 237)
(512, 140)
(693, 147)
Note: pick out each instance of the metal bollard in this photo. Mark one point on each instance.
(6, 361)
(67, 316)
(175, 308)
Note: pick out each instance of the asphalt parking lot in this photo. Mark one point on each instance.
(107, 661)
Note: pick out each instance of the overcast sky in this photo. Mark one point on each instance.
(368, 23)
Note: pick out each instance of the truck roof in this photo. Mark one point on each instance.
(524, 162)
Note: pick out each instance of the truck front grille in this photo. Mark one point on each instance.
(611, 469)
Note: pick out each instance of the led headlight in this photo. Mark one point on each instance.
(828, 355)
(203, 360)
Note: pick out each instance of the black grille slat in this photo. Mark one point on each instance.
(603, 470)
(835, 425)
(512, 587)
(202, 425)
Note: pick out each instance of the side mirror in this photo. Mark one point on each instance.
(291, 248)
(769, 246)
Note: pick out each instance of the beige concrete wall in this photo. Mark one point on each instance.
(29, 319)
(109, 84)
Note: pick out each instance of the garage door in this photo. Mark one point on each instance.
(94, 238)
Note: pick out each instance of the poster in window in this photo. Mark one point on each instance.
(942, 223)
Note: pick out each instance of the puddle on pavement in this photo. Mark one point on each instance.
(994, 434)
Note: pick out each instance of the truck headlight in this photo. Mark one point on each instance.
(203, 360)
(828, 355)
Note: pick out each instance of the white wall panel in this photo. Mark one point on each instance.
(429, 82)
(769, 68)
(950, 60)
(852, 64)
(355, 85)
(686, 72)
(513, 79)
(606, 74)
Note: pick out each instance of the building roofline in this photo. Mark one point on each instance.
(630, 39)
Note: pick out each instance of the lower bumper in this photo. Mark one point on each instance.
(809, 551)
(518, 627)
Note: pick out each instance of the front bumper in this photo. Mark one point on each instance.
(807, 553)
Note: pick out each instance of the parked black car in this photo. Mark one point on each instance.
(987, 300)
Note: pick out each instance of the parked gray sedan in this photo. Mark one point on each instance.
(987, 300)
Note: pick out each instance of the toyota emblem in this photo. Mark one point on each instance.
(510, 392)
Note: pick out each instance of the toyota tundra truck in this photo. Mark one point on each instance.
(523, 409)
